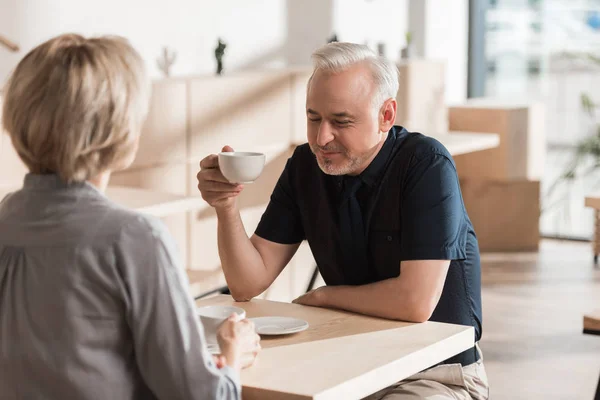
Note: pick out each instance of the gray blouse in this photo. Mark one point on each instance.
(94, 303)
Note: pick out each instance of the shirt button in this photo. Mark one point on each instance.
(389, 238)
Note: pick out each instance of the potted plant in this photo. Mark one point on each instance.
(407, 51)
(585, 159)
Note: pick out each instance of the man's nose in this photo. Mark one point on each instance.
(325, 134)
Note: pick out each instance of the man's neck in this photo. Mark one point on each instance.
(376, 149)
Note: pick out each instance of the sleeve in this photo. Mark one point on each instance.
(168, 338)
(282, 221)
(432, 209)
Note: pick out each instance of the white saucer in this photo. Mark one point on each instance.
(278, 325)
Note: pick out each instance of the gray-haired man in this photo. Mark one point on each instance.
(381, 209)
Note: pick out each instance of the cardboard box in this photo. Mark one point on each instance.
(521, 152)
(506, 215)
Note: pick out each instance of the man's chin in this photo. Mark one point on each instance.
(331, 169)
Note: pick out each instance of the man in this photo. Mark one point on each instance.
(381, 209)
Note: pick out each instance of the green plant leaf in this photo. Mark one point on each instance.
(588, 104)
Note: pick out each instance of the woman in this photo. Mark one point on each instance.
(93, 300)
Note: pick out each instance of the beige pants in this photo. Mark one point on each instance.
(447, 381)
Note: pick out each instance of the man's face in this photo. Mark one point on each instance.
(343, 124)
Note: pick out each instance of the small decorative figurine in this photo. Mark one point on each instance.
(166, 61)
(407, 51)
(219, 53)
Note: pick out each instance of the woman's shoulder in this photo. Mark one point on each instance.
(122, 220)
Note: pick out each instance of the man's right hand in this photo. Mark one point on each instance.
(239, 342)
(214, 187)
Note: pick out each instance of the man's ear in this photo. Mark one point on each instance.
(387, 115)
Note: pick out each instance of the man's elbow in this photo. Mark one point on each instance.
(421, 311)
(246, 293)
(421, 314)
(240, 297)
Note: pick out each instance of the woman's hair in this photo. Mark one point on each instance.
(339, 56)
(75, 106)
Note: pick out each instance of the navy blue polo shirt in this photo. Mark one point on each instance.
(412, 209)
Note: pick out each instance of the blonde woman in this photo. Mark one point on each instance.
(93, 301)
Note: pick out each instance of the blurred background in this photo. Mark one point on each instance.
(520, 77)
(542, 50)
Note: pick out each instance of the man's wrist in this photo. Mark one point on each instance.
(322, 295)
(227, 211)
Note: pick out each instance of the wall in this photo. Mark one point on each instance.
(441, 30)
(258, 33)
(190, 27)
(371, 22)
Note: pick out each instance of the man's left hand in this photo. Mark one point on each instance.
(313, 298)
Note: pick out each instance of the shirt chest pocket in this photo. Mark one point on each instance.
(384, 251)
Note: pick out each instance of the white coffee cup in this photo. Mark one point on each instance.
(240, 166)
(213, 316)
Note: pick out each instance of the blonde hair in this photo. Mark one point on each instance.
(75, 106)
(339, 56)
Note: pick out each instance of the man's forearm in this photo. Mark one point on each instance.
(386, 299)
(242, 264)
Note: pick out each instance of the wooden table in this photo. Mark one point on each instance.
(591, 325)
(341, 355)
(467, 142)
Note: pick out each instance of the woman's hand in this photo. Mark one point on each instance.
(239, 342)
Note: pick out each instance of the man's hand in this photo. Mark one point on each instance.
(214, 187)
(313, 298)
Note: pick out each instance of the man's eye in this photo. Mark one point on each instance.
(342, 122)
(314, 119)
